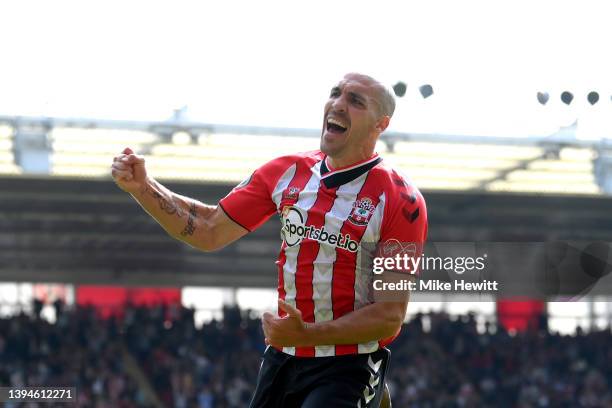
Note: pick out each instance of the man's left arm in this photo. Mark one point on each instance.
(370, 323)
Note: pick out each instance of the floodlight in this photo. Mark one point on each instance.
(426, 90)
(593, 97)
(543, 97)
(567, 97)
(399, 89)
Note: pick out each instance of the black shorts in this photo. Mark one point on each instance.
(353, 381)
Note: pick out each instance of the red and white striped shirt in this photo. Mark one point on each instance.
(325, 214)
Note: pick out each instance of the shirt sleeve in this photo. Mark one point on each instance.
(250, 203)
(404, 229)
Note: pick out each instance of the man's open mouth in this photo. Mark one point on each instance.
(336, 126)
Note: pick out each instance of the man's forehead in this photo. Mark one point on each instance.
(359, 84)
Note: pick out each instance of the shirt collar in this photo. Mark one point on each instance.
(337, 177)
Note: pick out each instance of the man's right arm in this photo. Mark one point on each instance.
(200, 225)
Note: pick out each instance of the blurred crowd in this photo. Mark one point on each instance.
(79, 350)
(214, 366)
(453, 365)
(446, 362)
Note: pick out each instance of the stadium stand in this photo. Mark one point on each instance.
(87, 231)
(7, 159)
(444, 363)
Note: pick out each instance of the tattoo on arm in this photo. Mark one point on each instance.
(167, 205)
(170, 205)
(190, 227)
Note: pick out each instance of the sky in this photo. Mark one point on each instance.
(272, 63)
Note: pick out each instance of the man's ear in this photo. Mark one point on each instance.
(383, 123)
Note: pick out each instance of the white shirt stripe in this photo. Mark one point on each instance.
(306, 200)
(283, 183)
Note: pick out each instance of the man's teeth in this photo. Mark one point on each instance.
(336, 122)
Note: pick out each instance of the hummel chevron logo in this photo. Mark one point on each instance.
(374, 380)
(374, 366)
(410, 216)
(367, 396)
(369, 391)
(407, 197)
(399, 182)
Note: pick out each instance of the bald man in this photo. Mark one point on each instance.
(327, 341)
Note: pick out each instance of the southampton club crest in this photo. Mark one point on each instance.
(362, 211)
(292, 193)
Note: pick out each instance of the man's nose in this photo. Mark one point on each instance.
(339, 104)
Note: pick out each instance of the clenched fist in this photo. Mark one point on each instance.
(285, 331)
(128, 171)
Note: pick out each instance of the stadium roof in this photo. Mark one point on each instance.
(221, 153)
